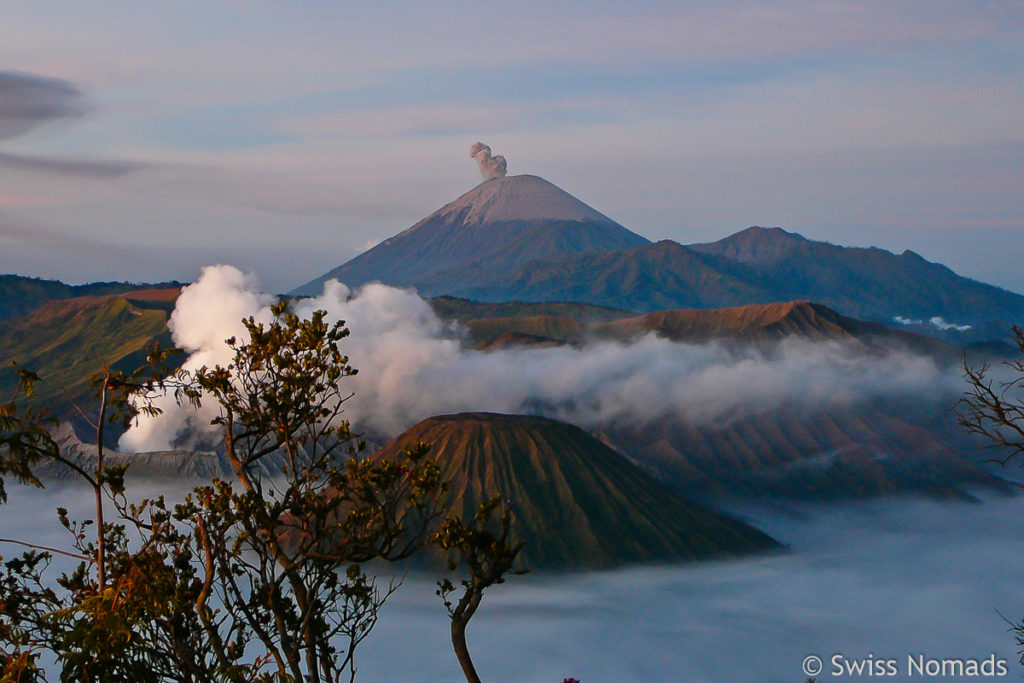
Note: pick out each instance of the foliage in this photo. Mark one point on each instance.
(24, 439)
(254, 579)
(88, 624)
(482, 546)
(283, 557)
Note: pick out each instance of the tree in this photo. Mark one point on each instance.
(255, 578)
(34, 615)
(483, 547)
(993, 408)
(285, 556)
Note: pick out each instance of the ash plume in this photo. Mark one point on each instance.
(490, 166)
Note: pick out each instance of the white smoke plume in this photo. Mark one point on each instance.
(207, 313)
(412, 366)
(490, 166)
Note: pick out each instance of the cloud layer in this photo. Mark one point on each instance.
(888, 578)
(28, 100)
(69, 167)
(412, 366)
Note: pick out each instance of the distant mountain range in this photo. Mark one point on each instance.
(757, 324)
(533, 266)
(576, 502)
(520, 238)
(518, 262)
(20, 295)
(865, 449)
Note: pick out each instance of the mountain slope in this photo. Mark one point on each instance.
(521, 238)
(764, 324)
(830, 453)
(66, 341)
(464, 310)
(198, 466)
(577, 503)
(760, 266)
(651, 277)
(483, 227)
(20, 295)
(871, 283)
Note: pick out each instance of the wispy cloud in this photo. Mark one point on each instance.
(70, 167)
(28, 100)
(12, 230)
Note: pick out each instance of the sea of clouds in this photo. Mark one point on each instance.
(885, 578)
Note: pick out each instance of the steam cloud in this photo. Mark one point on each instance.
(412, 366)
(490, 166)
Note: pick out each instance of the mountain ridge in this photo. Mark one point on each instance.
(67, 340)
(472, 228)
(522, 238)
(20, 294)
(576, 502)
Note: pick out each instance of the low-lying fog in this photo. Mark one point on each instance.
(889, 579)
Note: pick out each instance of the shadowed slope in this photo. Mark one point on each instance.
(650, 277)
(576, 502)
(868, 283)
(759, 266)
(832, 453)
(499, 224)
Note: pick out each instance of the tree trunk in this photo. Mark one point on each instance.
(101, 559)
(462, 650)
(464, 611)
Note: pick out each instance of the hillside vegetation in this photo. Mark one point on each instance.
(66, 341)
(20, 295)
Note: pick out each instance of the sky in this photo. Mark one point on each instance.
(142, 141)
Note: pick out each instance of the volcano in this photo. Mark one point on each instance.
(576, 502)
(498, 226)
